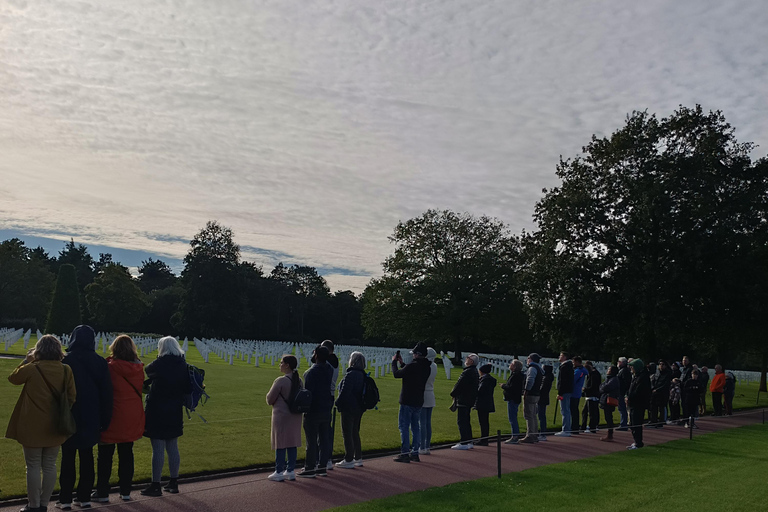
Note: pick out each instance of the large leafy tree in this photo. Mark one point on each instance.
(638, 250)
(450, 280)
(302, 288)
(114, 299)
(64, 314)
(25, 284)
(155, 275)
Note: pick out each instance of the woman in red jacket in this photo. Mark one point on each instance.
(127, 373)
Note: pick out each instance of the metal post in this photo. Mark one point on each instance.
(498, 451)
(690, 430)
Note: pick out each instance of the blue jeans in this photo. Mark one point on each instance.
(565, 410)
(409, 418)
(542, 418)
(512, 408)
(425, 424)
(622, 413)
(280, 459)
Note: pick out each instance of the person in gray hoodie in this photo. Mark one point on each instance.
(531, 393)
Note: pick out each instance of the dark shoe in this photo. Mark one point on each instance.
(173, 486)
(528, 440)
(154, 489)
(482, 443)
(99, 499)
(511, 440)
(403, 457)
(321, 472)
(608, 439)
(415, 457)
(27, 508)
(306, 473)
(622, 429)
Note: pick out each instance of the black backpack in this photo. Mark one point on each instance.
(370, 393)
(301, 400)
(198, 396)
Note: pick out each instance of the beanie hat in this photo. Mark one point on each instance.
(534, 357)
(486, 368)
(420, 349)
(637, 364)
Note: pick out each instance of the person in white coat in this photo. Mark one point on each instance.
(429, 403)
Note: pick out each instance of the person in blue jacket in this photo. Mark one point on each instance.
(579, 374)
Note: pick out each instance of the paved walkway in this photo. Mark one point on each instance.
(381, 477)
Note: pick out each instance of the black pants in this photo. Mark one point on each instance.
(608, 413)
(658, 404)
(717, 403)
(674, 411)
(592, 411)
(124, 468)
(728, 403)
(317, 429)
(636, 417)
(68, 476)
(575, 414)
(465, 425)
(485, 426)
(350, 430)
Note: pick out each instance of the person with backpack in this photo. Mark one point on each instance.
(317, 422)
(350, 405)
(285, 434)
(92, 412)
(425, 417)
(127, 426)
(42, 374)
(168, 381)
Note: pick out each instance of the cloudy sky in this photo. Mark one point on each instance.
(312, 127)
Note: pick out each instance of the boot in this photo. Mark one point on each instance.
(608, 438)
(173, 486)
(153, 490)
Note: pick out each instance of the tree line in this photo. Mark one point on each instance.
(655, 244)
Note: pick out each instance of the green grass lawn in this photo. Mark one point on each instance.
(238, 428)
(721, 471)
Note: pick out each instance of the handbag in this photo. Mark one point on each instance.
(63, 419)
(612, 401)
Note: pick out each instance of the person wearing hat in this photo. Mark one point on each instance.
(484, 402)
(415, 375)
(425, 418)
(638, 400)
(531, 392)
(464, 394)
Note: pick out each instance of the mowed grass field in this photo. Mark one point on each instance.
(720, 471)
(238, 430)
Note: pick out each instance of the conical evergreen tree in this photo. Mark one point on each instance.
(65, 306)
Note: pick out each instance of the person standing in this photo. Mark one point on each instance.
(546, 388)
(638, 400)
(625, 378)
(92, 412)
(350, 405)
(591, 409)
(686, 373)
(660, 394)
(168, 382)
(691, 394)
(716, 387)
(729, 391)
(317, 422)
(44, 378)
(704, 378)
(609, 392)
(127, 426)
(513, 395)
(285, 431)
(464, 394)
(415, 375)
(564, 392)
(531, 392)
(484, 403)
(579, 376)
(675, 398)
(425, 417)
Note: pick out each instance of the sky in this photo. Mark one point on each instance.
(311, 128)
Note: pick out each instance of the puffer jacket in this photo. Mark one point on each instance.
(127, 423)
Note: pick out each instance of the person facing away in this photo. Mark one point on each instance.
(564, 392)
(716, 387)
(611, 388)
(464, 394)
(484, 404)
(414, 376)
(127, 426)
(546, 387)
(590, 415)
(579, 376)
(425, 417)
(638, 400)
(531, 390)
(285, 426)
(691, 393)
(513, 395)
(92, 412)
(350, 405)
(729, 391)
(317, 422)
(625, 378)
(31, 422)
(333, 360)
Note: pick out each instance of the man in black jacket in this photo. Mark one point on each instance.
(638, 400)
(317, 422)
(625, 378)
(464, 394)
(564, 391)
(660, 394)
(415, 375)
(546, 387)
(591, 409)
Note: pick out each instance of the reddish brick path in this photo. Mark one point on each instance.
(382, 477)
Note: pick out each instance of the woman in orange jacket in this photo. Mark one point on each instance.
(716, 387)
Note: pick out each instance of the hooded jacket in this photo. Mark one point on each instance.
(484, 401)
(546, 385)
(168, 381)
(465, 389)
(565, 378)
(639, 393)
(662, 382)
(350, 398)
(127, 423)
(592, 384)
(93, 408)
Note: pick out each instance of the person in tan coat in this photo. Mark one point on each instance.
(286, 426)
(32, 421)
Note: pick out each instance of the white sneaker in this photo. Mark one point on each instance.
(563, 434)
(459, 446)
(125, 497)
(633, 446)
(670, 422)
(358, 462)
(346, 465)
(289, 475)
(687, 426)
(276, 477)
(329, 465)
(586, 431)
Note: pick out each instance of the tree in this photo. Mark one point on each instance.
(451, 279)
(26, 284)
(303, 287)
(155, 275)
(635, 250)
(77, 256)
(115, 300)
(64, 315)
